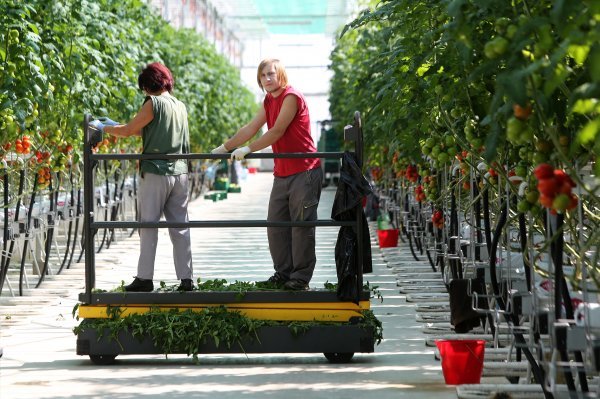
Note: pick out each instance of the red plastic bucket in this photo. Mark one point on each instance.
(387, 238)
(462, 360)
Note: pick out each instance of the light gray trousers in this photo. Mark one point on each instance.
(166, 195)
(295, 198)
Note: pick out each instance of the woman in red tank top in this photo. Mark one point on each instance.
(297, 181)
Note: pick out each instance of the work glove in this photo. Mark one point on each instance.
(219, 150)
(240, 153)
(96, 124)
(108, 122)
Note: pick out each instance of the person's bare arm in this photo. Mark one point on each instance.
(134, 127)
(285, 117)
(247, 131)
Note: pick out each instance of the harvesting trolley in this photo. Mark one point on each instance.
(344, 334)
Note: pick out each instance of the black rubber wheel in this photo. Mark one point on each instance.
(103, 360)
(335, 357)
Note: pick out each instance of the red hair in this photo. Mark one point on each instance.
(156, 77)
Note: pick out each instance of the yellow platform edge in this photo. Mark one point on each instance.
(320, 311)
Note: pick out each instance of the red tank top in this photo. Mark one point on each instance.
(296, 138)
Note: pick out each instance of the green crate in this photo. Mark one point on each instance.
(211, 196)
(221, 185)
(216, 195)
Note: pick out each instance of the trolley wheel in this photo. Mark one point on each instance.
(336, 357)
(103, 360)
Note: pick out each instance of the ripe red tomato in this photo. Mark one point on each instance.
(544, 171)
(546, 201)
(562, 177)
(548, 187)
(522, 113)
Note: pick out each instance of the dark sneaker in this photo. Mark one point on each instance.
(275, 281)
(186, 285)
(296, 285)
(140, 285)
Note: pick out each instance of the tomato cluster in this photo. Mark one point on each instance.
(41, 156)
(420, 194)
(430, 186)
(22, 145)
(438, 219)
(105, 146)
(555, 188)
(43, 176)
(518, 131)
(64, 150)
(377, 173)
(411, 173)
(441, 149)
(461, 156)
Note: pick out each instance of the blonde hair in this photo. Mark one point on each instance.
(279, 68)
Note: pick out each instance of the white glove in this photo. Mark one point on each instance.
(240, 153)
(219, 150)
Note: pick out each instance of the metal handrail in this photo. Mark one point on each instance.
(351, 133)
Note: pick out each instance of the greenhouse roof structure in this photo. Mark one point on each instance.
(263, 18)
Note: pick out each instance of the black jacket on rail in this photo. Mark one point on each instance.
(351, 189)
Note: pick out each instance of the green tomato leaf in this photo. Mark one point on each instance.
(555, 78)
(513, 83)
(33, 28)
(589, 132)
(423, 69)
(594, 63)
(584, 106)
(586, 90)
(578, 53)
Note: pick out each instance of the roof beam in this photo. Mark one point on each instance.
(287, 16)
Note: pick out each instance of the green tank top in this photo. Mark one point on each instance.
(167, 133)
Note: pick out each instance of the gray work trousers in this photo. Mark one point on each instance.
(164, 195)
(294, 198)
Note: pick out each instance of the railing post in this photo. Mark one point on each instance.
(88, 211)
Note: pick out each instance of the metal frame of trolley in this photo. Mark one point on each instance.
(338, 341)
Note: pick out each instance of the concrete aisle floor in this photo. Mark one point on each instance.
(39, 347)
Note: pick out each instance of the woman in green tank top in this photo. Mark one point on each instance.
(163, 125)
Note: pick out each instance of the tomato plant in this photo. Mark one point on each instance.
(61, 59)
(461, 83)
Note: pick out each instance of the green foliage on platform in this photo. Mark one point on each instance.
(176, 331)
